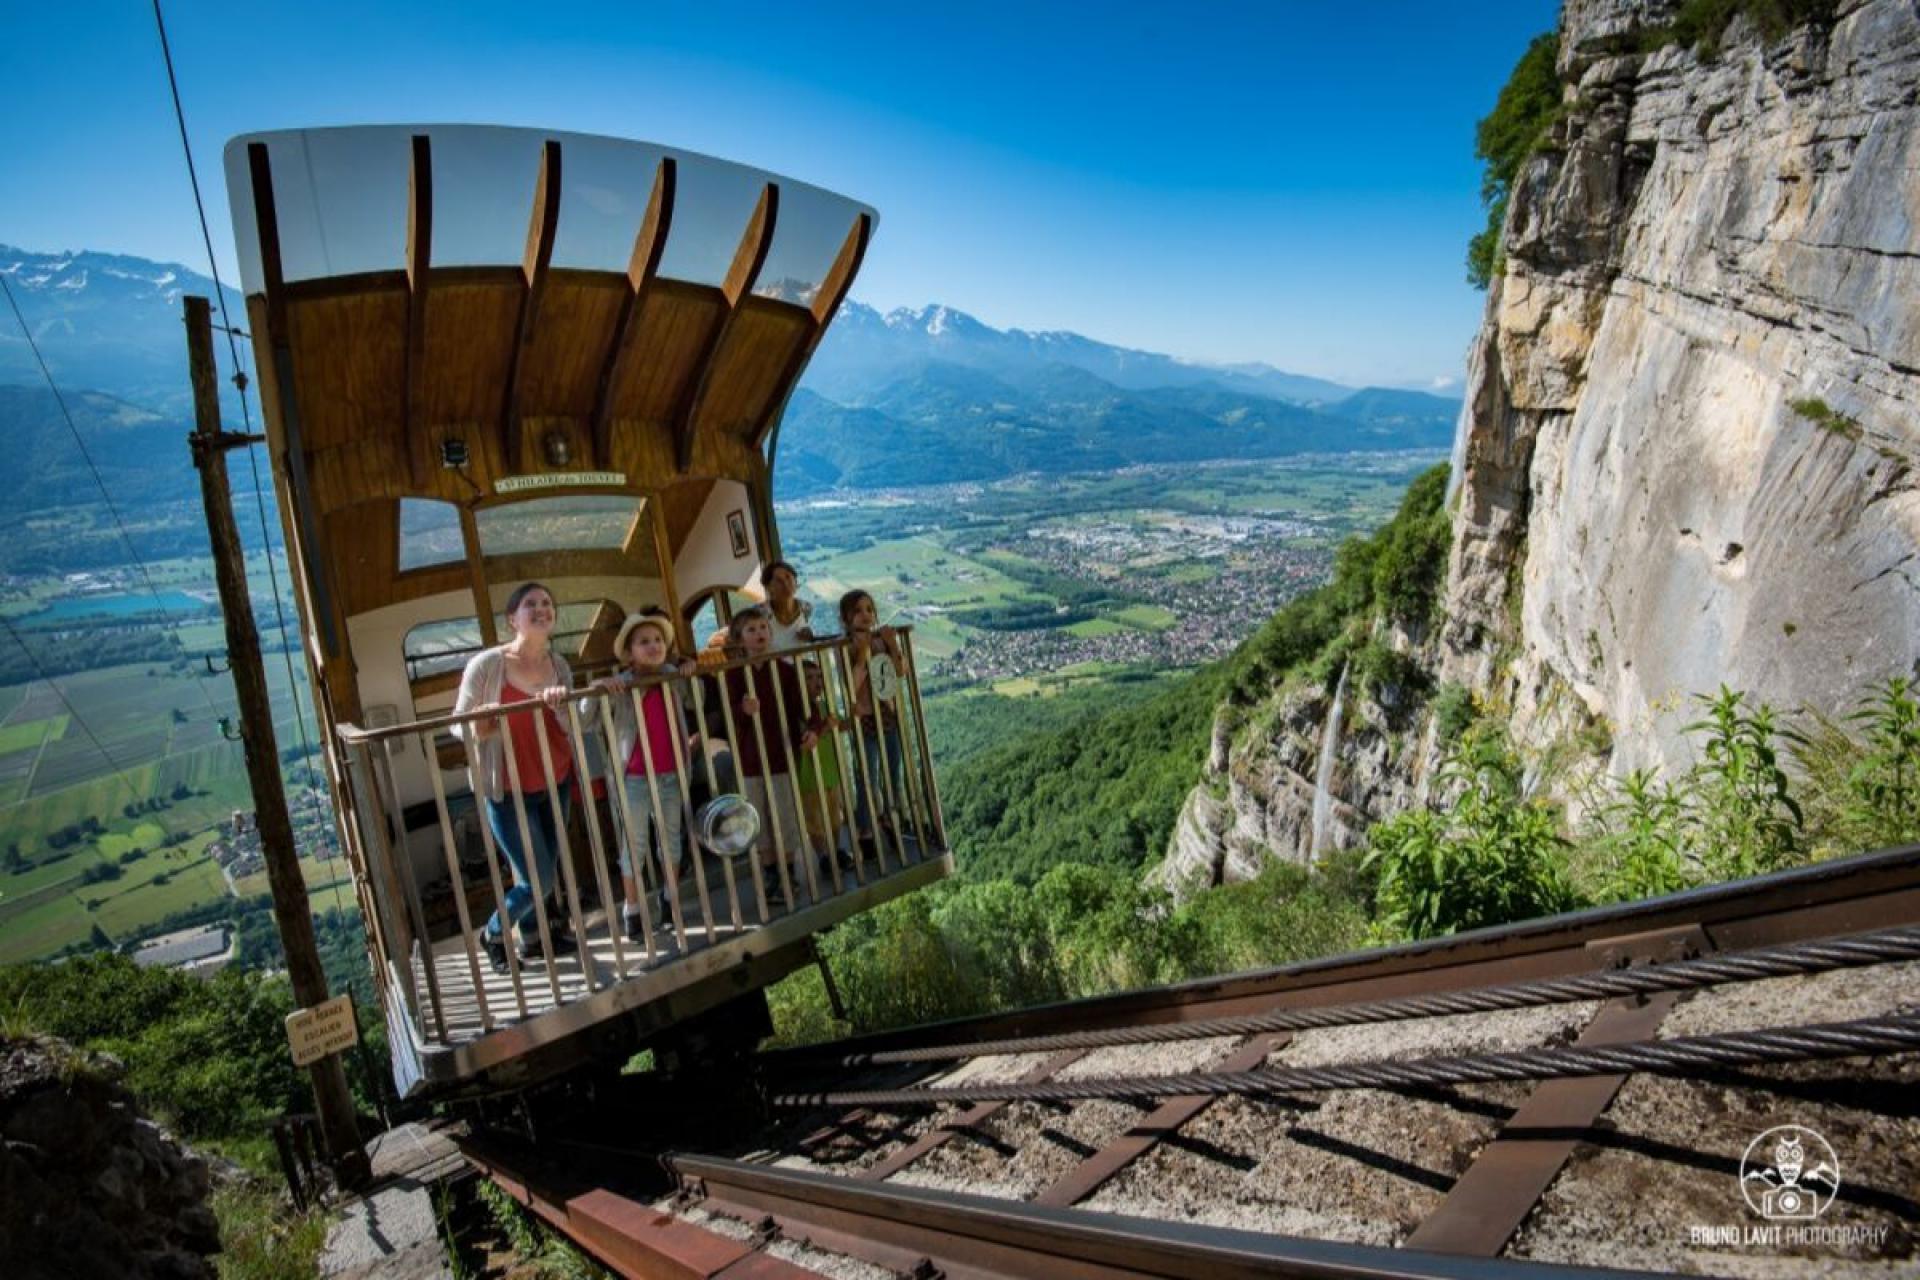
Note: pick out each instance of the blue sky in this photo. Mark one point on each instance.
(1288, 182)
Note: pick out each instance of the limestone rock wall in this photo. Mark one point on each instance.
(1643, 512)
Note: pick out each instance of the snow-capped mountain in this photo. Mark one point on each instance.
(104, 321)
(867, 349)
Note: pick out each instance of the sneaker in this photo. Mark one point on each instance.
(496, 950)
(634, 924)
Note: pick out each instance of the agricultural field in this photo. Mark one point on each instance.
(1143, 568)
(1032, 600)
(121, 766)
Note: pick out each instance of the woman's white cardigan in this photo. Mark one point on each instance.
(480, 686)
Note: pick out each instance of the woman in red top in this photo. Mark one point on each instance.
(524, 670)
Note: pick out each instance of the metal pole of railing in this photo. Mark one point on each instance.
(864, 796)
(529, 858)
(615, 924)
(908, 769)
(823, 750)
(662, 842)
(683, 770)
(767, 789)
(383, 832)
(791, 748)
(485, 819)
(395, 828)
(887, 788)
(457, 884)
(630, 836)
(582, 952)
(380, 922)
(713, 790)
(926, 743)
(740, 776)
(840, 730)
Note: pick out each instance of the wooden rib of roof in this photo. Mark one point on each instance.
(672, 384)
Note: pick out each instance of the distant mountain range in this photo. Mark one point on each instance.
(901, 397)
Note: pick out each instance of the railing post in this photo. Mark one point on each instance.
(713, 790)
(926, 744)
(615, 925)
(617, 780)
(792, 752)
(457, 883)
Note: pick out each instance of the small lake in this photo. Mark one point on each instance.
(75, 608)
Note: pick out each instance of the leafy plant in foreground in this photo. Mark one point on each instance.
(1746, 819)
(1496, 854)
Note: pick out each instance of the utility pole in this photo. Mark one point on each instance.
(338, 1120)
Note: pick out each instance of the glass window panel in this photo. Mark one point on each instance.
(585, 522)
(434, 647)
(429, 533)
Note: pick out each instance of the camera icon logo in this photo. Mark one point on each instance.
(1789, 1174)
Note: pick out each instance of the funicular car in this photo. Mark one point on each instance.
(493, 355)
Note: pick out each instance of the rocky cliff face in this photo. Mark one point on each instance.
(1692, 423)
(87, 1186)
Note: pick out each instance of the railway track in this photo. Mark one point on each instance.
(1582, 1089)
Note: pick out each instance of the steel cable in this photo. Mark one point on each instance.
(1677, 1056)
(1788, 959)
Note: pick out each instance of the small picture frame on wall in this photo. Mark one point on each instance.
(737, 531)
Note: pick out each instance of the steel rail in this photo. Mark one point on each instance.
(1839, 896)
(919, 1231)
(1879, 947)
(1678, 1056)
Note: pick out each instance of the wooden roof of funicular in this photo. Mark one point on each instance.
(560, 304)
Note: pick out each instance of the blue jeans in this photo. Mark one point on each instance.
(541, 821)
(870, 743)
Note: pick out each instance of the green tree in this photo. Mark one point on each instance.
(1529, 105)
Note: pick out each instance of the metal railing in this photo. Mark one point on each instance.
(862, 805)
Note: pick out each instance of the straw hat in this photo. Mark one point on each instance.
(656, 618)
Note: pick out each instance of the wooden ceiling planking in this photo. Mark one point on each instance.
(350, 354)
(672, 329)
(469, 348)
(560, 371)
(748, 366)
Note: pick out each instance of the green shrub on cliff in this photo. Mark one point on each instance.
(1529, 105)
(1495, 855)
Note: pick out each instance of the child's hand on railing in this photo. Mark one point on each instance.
(809, 740)
(611, 684)
(684, 667)
(555, 696)
(749, 706)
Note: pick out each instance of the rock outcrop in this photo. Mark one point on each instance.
(88, 1187)
(1692, 421)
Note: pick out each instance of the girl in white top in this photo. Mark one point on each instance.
(790, 617)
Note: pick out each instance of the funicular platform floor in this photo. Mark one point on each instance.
(458, 1044)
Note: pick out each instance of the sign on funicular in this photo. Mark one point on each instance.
(326, 1028)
